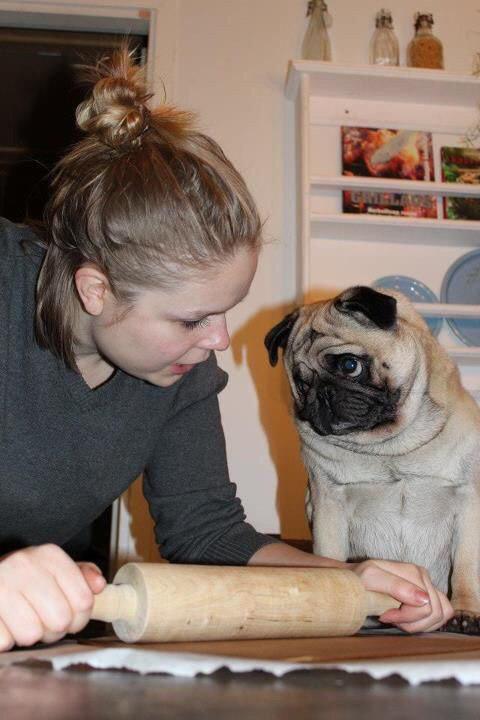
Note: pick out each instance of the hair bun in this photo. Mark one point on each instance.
(116, 111)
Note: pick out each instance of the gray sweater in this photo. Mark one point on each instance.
(67, 451)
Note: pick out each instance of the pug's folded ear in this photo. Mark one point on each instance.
(278, 336)
(373, 306)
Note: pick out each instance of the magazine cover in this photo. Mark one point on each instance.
(461, 165)
(387, 153)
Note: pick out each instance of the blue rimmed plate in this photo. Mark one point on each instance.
(461, 285)
(415, 291)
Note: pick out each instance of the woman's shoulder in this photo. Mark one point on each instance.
(18, 240)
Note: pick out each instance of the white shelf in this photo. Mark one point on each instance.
(358, 219)
(348, 182)
(464, 354)
(387, 84)
(460, 354)
(328, 95)
(447, 310)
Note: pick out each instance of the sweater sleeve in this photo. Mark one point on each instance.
(198, 518)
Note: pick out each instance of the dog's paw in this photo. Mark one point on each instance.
(465, 622)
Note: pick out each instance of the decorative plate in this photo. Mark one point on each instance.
(461, 285)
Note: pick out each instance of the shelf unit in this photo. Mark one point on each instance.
(389, 84)
(326, 96)
(428, 188)
(452, 226)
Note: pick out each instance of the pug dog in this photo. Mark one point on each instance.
(390, 440)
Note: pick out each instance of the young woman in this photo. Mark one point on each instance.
(108, 330)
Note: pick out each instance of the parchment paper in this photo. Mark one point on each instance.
(466, 670)
(417, 659)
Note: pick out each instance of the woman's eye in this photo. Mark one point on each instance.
(350, 366)
(195, 324)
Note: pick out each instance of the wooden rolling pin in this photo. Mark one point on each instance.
(169, 603)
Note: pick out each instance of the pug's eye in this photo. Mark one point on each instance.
(350, 365)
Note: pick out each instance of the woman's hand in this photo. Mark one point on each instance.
(423, 609)
(44, 595)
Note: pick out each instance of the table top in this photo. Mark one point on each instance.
(38, 693)
(34, 691)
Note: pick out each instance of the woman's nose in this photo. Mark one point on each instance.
(216, 335)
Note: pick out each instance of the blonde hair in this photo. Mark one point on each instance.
(144, 196)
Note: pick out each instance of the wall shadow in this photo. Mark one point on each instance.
(275, 415)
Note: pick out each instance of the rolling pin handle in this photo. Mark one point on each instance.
(115, 602)
(378, 603)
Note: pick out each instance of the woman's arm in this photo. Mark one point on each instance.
(282, 554)
(198, 517)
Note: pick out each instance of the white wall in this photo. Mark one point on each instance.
(231, 64)
(227, 60)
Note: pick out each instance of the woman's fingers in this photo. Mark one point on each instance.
(440, 612)
(20, 619)
(6, 638)
(43, 595)
(424, 608)
(60, 594)
(51, 637)
(76, 590)
(405, 614)
(93, 576)
(49, 603)
(30, 600)
(386, 581)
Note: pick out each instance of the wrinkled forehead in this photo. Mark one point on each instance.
(321, 328)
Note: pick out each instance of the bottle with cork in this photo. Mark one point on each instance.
(316, 44)
(425, 50)
(384, 43)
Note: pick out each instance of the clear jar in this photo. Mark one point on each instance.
(316, 43)
(384, 45)
(425, 50)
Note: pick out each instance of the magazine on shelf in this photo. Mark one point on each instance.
(387, 153)
(461, 165)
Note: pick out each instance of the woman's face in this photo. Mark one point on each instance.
(167, 332)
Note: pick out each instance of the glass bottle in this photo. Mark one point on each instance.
(316, 43)
(384, 45)
(425, 50)
(476, 64)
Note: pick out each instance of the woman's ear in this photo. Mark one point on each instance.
(92, 285)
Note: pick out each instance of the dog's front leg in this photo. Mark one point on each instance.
(465, 580)
(328, 521)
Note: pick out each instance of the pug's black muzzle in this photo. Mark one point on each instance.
(337, 406)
